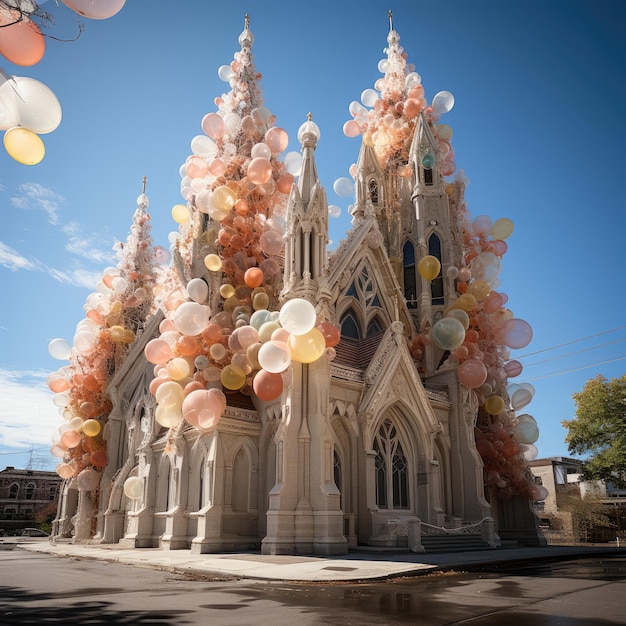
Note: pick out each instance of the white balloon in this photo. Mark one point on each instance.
(368, 97)
(293, 163)
(443, 102)
(343, 187)
(38, 108)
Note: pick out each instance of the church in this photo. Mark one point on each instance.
(252, 390)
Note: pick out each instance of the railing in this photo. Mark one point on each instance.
(485, 529)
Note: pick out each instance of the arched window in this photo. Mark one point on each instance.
(374, 328)
(436, 285)
(391, 469)
(241, 482)
(337, 476)
(13, 491)
(30, 491)
(349, 325)
(372, 187)
(410, 282)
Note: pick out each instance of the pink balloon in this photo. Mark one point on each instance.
(22, 43)
(202, 409)
(213, 125)
(351, 129)
(96, 9)
(259, 171)
(267, 386)
(277, 139)
(472, 373)
(513, 369)
(492, 302)
(158, 351)
(515, 333)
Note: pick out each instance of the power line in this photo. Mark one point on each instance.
(569, 343)
(576, 369)
(562, 356)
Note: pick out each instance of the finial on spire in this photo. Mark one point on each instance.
(309, 117)
(145, 182)
(390, 14)
(246, 22)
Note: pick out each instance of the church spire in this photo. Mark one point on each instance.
(307, 223)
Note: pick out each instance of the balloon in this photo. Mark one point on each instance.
(37, 106)
(513, 369)
(213, 125)
(168, 416)
(466, 301)
(448, 333)
(198, 290)
(369, 97)
(274, 356)
(169, 394)
(87, 480)
(224, 198)
(95, 9)
(22, 43)
(307, 347)
(203, 146)
(526, 432)
(158, 351)
(486, 266)
(180, 213)
(267, 385)
(332, 334)
(502, 228)
(297, 316)
(351, 129)
(92, 427)
(515, 333)
(259, 171)
(271, 242)
(482, 224)
(293, 163)
(429, 267)
(530, 451)
(461, 316)
(494, 405)
(472, 373)
(191, 318)
(24, 146)
(65, 471)
(178, 368)
(233, 377)
(343, 187)
(213, 262)
(59, 349)
(202, 408)
(276, 139)
(443, 102)
(428, 160)
(479, 289)
(253, 277)
(133, 487)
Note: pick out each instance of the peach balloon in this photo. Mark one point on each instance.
(267, 385)
(277, 139)
(259, 171)
(22, 43)
(253, 277)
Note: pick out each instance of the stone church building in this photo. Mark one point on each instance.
(367, 445)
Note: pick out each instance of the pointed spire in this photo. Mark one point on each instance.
(308, 136)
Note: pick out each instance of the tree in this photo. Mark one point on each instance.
(599, 429)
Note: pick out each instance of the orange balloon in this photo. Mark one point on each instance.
(22, 43)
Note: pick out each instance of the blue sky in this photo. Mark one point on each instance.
(539, 124)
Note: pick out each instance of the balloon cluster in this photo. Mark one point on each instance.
(387, 114)
(28, 108)
(477, 329)
(115, 313)
(236, 190)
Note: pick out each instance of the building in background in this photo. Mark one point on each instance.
(24, 493)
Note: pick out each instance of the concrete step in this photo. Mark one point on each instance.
(454, 543)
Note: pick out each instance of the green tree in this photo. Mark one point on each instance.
(599, 429)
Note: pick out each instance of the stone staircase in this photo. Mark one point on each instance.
(453, 543)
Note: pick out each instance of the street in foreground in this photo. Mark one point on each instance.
(42, 589)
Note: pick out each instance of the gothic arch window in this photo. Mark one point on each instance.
(350, 325)
(13, 491)
(372, 187)
(374, 328)
(390, 468)
(436, 285)
(410, 281)
(337, 476)
(241, 482)
(30, 491)
(428, 176)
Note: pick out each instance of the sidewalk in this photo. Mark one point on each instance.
(356, 566)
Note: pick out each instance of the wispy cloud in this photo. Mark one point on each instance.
(36, 197)
(89, 247)
(27, 414)
(13, 260)
(78, 276)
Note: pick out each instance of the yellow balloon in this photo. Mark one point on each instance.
(429, 267)
(91, 428)
(24, 145)
(479, 289)
(233, 378)
(466, 302)
(213, 262)
(180, 213)
(307, 348)
(227, 291)
(224, 198)
(494, 405)
(502, 228)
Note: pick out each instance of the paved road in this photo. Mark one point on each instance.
(42, 589)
